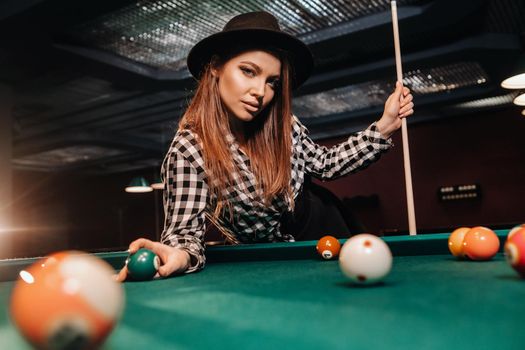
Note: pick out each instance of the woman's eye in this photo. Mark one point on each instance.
(274, 83)
(248, 71)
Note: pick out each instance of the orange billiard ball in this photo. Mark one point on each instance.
(480, 243)
(328, 247)
(515, 251)
(455, 241)
(514, 229)
(68, 300)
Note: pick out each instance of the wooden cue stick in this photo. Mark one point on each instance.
(404, 132)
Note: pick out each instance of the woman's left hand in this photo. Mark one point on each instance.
(399, 105)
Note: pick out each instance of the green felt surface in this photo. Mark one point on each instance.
(427, 244)
(427, 302)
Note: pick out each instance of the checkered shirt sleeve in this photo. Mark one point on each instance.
(185, 198)
(356, 153)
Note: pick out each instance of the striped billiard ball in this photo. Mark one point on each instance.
(68, 300)
(515, 251)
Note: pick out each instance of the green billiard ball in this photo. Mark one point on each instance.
(143, 264)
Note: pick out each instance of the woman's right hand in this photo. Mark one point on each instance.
(172, 260)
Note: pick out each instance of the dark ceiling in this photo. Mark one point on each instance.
(99, 86)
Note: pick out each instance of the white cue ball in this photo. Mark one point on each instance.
(365, 259)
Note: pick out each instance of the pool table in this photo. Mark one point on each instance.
(283, 296)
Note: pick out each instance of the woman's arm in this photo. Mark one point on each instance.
(185, 199)
(361, 149)
(181, 249)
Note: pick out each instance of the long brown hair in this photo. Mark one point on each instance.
(268, 138)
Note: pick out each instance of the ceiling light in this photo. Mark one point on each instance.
(157, 184)
(520, 100)
(138, 185)
(514, 82)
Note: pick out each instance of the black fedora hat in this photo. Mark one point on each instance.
(253, 29)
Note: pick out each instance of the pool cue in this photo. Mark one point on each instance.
(404, 132)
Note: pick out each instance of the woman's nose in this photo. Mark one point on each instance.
(257, 89)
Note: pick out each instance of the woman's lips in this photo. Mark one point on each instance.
(250, 107)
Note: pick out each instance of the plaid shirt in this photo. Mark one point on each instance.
(187, 201)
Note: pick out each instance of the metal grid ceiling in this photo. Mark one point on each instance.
(66, 156)
(370, 94)
(160, 33)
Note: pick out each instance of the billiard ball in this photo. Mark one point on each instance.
(480, 243)
(365, 259)
(514, 229)
(515, 251)
(142, 265)
(328, 247)
(68, 300)
(455, 241)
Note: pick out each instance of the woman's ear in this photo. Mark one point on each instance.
(215, 66)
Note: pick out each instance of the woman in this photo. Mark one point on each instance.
(240, 156)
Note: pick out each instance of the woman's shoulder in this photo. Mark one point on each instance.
(185, 137)
(187, 143)
(297, 126)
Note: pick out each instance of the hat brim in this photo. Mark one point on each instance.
(300, 56)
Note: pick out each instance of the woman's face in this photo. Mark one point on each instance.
(248, 82)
